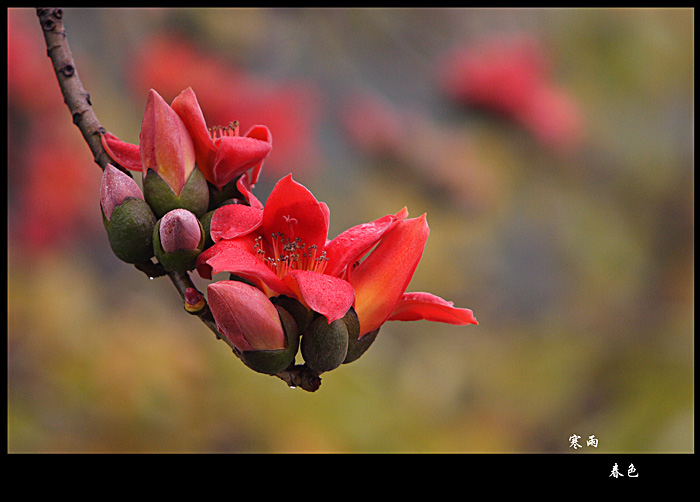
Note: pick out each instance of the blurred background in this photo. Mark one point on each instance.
(552, 151)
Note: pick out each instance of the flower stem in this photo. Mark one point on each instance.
(78, 101)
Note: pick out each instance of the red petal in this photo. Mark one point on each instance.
(262, 133)
(236, 256)
(416, 306)
(188, 109)
(233, 220)
(293, 211)
(125, 154)
(353, 243)
(236, 155)
(382, 278)
(327, 295)
(244, 186)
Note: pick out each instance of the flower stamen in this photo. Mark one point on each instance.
(288, 255)
(232, 129)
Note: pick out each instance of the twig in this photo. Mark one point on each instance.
(78, 101)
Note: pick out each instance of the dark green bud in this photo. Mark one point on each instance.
(130, 230)
(323, 345)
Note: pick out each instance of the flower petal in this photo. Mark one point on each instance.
(382, 278)
(262, 133)
(416, 306)
(236, 256)
(124, 154)
(233, 220)
(188, 109)
(354, 242)
(327, 295)
(235, 155)
(294, 212)
(244, 187)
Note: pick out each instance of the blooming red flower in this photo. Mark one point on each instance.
(222, 153)
(283, 249)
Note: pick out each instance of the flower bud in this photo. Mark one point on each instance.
(266, 336)
(128, 220)
(324, 346)
(356, 345)
(178, 238)
(165, 144)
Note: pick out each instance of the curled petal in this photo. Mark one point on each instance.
(382, 278)
(416, 306)
(124, 154)
(233, 220)
(327, 295)
(244, 187)
(293, 211)
(235, 155)
(262, 133)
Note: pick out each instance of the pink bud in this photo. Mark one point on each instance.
(179, 230)
(166, 146)
(246, 316)
(115, 188)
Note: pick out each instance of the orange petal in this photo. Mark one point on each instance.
(382, 278)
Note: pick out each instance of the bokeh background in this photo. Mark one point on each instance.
(552, 151)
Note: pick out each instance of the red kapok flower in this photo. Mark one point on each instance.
(283, 250)
(222, 153)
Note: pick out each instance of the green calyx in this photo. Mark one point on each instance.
(324, 345)
(130, 230)
(272, 362)
(176, 261)
(218, 198)
(301, 314)
(194, 196)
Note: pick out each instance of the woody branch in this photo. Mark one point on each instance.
(80, 106)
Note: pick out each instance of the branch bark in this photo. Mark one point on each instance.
(80, 106)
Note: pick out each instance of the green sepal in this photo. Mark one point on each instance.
(272, 362)
(357, 347)
(177, 261)
(130, 230)
(218, 198)
(324, 346)
(206, 224)
(302, 315)
(194, 196)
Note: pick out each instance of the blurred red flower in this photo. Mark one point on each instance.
(513, 76)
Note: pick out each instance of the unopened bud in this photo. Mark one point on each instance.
(266, 335)
(324, 346)
(127, 218)
(178, 238)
